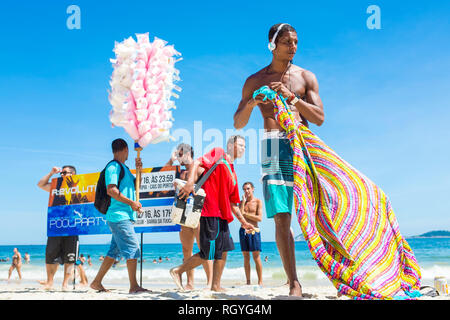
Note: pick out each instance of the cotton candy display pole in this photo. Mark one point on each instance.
(142, 85)
(138, 149)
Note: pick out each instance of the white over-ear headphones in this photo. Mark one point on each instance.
(272, 44)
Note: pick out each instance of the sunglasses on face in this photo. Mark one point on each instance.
(63, 173)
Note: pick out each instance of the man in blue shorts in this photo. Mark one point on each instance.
(120, 217)
(251, 209)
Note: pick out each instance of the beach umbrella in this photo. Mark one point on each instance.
(142, 88)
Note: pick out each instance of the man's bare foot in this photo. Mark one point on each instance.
(47, 285)
(295, 289)
(189, 287)
(98, 286)
(176, 278)
(138, 290)
(218, 289)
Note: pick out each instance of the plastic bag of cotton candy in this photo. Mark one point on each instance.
(142, 85)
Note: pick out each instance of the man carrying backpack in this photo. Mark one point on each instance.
(120, 216)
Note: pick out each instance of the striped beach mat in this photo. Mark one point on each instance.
(347, 220)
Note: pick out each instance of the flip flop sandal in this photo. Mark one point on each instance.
(432, 292)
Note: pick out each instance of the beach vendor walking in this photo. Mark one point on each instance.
(184, 154)
(120, 216)
(347, 220)
(301, 89)
(222, 199)
(60, 249)
(251, 208)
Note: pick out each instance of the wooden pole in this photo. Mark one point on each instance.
(138, 149)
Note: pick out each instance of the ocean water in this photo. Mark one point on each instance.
(433, 255)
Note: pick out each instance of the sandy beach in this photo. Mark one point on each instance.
(16, 290)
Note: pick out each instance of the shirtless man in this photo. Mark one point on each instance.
(300, 87)
(184, 155)
(251, 209)
(16, 264)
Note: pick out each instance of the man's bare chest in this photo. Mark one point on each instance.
(251, 207)
(293, 82)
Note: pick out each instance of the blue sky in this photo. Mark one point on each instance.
(385, 93)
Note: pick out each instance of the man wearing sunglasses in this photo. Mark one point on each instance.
(63, 249)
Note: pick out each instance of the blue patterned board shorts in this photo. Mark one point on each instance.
(277, 170)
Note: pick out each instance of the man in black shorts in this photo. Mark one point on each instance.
(221, 203)
(59, 250)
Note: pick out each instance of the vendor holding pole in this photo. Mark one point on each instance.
(121, 215)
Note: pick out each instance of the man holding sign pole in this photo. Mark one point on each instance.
(62, 249)
(120, 217)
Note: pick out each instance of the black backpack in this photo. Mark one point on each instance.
(102, 199)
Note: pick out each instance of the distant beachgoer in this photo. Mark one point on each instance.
(266, 259)
(221, 203)
(251, 209)
(89, 261)
(27, 258)
(167, 259)
(160, 260)
(154, 261)
(184, 155)
(120, 217)
(16, 264)
(60, 249)
(101, 258)
(82, 259)
(79, 265)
